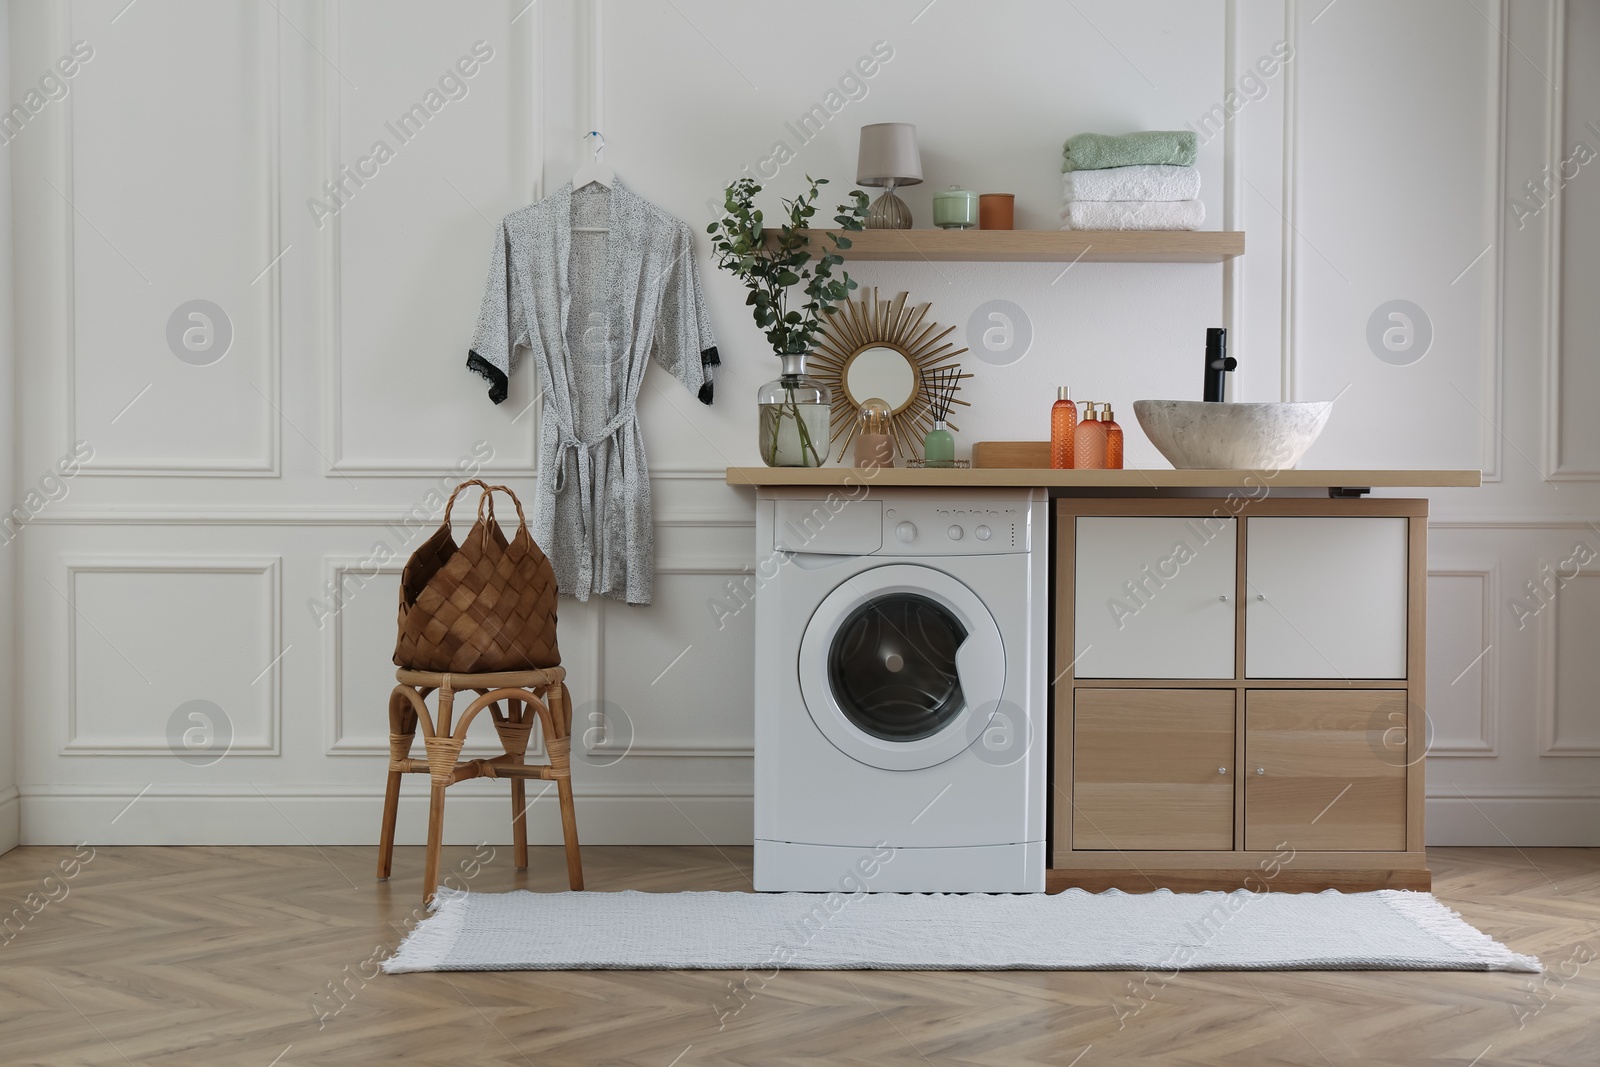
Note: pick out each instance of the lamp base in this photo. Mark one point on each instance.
(888, 212)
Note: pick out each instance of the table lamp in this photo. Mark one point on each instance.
(888, 158)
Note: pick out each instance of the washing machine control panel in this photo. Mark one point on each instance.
(917, 528)
(898, 522)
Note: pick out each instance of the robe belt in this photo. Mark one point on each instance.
(583, 451)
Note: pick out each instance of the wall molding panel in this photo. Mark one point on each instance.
(528, 38)
(658, 747)
(1487, 744)
(267, 287)
(77, 741)
(1554, 348)
(1551, 667)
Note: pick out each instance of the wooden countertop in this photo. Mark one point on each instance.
(1029, 477)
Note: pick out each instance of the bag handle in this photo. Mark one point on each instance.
(457, 491)
(488, 494)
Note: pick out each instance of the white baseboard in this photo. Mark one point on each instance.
(330, 816)
(10, 819)
(1503, 821)
(280, 815)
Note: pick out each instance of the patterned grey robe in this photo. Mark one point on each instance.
(594, 309)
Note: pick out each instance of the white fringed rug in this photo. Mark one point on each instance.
(1074, 930)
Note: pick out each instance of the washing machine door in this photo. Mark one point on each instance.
(894, 663)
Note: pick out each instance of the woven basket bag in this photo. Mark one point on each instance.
(486, 606)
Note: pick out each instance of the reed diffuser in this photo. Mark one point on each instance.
(939, 447)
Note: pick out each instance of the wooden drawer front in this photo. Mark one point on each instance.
(1154, 597)
(1318, 775)
(1325, 597)
(1153, 769)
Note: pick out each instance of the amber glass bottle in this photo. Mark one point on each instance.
(1113, 441)
(1063, 422)
(1089, 442)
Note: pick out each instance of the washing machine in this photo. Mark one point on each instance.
(901, 690)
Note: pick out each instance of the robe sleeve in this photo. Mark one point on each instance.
(502, 321)
(683, 342)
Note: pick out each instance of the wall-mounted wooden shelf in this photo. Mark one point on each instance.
(1043, 246)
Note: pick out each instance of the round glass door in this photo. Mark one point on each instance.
(893, 662)
(892, 667)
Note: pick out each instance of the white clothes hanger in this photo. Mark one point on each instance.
(593, 171)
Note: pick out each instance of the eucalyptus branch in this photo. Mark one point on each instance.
(773, 268)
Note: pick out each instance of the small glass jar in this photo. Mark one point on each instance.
(955, 209)
(795, 412)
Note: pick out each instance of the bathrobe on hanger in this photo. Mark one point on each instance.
(594, 308)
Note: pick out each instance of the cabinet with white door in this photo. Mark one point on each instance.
(1284, 634)
(1325, 596)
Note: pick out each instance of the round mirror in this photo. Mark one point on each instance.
(881, 371)
(885, 349)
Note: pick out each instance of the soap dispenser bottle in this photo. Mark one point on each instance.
(1063, 423)
(1113, 441)
(1089, 442)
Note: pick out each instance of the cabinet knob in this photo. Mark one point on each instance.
(1261, 770)
(1223, 598)
(1261, 596)
(1222, 770)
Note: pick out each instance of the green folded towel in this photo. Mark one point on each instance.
(1099, 151)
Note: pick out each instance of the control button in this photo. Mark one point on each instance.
(906, 531)
(984, 533)
(955, 533)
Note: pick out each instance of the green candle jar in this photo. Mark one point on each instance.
(939, 447)
(955, 209)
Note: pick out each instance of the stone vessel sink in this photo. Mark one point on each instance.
(1194, 435)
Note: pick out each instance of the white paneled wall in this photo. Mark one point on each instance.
(328, 176)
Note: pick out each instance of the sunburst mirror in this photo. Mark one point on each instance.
(873, 348)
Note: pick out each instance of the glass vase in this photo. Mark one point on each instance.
(795, 417)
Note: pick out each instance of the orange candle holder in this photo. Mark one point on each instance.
(996, 211)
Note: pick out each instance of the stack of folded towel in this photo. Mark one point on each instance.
(1140, 181)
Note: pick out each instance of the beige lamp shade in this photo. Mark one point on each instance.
(888, 155)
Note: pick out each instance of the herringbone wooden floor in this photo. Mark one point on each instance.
(261, 957)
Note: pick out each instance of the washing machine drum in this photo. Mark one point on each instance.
(901, 667)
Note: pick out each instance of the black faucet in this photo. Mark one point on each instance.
(1218, 364)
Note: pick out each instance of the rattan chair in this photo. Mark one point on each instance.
(528, 696)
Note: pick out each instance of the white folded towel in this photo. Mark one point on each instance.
(1133, 215)
(1148, 182)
